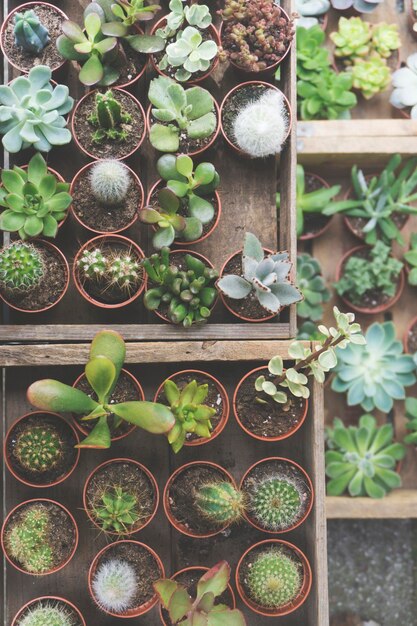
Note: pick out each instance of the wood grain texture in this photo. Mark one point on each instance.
(400, 504)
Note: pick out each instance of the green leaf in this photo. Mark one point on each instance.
(92, 71)
(99, 437)
(165, 588)
(215, 580)
(151, 416)
(172, 393)
(179, 604)
(276, 365)
(37, 169)
(33, 226)
(11, 222)
(164, 138)
(101, 374)
(184, 165)
(52, 395)
(110, 344)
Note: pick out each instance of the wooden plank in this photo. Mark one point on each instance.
(399, 504)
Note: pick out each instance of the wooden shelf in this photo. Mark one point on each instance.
(399, 504)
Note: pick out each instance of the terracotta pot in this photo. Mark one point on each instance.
(167, 506)
(307, 479)
(268, 70)
(21, 9)
(366, 310)
(137, 611)
(277, 438)
(214, 36)
(203, 148)
(407, 333)
(216, 219)
(200, 570)
(145, 471)
(229, 142)
(9, 464)
(33, 501)
(119, 239)
(148, 284)
(320, 232)
(141, 395)
(59, 254)
(303, 593)
(21, 612)
(226, 410)
(136, 181)
(91, 94)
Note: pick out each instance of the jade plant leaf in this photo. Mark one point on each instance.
(151, 416)
(52, 395)
(110, 344)
(101, 374)
(99, 437)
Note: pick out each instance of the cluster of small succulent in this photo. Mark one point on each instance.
(118, 510)
(188, 293)
(256, 34)
(115, 269)
(312, 285)
(29, 33)
(38, 448)
(21, 267)
(27, 540)
(274, 579)
(219, 502)
(110, 181)
(108, 118)
(114, 585)
(276, 503)
(48, 614)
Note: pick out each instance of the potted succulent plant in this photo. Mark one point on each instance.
(107, 354)
(411, 415)
(255, 287)
(255, 119)
(180, 287)
(39, 537)
(121, 497)
(32, 112)
(312, 12)
(107, 271)
(34, 276)
(181, 119)
(362, 459)
(410, 258)
(121, 577)
(404, 82)
(186, 210)
(369, 279)
(278, 495)
(201, 499)
(273, 578)
(107, 196)
(312, 285)
(185, 598)
(39, 449)
(270, 403)
(356, 40)
(410, 337)
(108, 125)
(49, 610)
(255, 37)
(28, 36)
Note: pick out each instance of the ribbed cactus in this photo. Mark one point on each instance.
(108, 118)
(118, 510)
(276, 503)
(38, 449)
(92, 264)
(48, 615)
(110, 181)
(274, 579)
(29, 33)
(114, 585)
(21, 267)
(124, 271)
(220, 502)
(27, 541)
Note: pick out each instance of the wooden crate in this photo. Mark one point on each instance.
(248, 196)
(151, 363)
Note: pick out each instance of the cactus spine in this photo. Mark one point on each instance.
(110, 181)
(47, 615)
(21, 267)
(274, 579)
(38, 449)
(27, 541)
(124, 271)
(108, 118)
(29, 33)
(276, 503)
(219, 502)
(118, 512)
(114, 585)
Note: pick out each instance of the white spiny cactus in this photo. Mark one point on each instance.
(110, 181)
(114, 585)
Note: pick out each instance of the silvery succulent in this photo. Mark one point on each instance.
(189, 53)
(404, 82)
(265, 276)
(310, 10)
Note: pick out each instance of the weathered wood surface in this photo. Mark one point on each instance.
(400, 504)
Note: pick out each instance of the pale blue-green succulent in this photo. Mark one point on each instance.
(195, 15)
(29, 33)
(189, 54)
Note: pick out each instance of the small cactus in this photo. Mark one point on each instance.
(114, 585)
(108, 118)
(276, 504)
(48, 614)
(27, 542)
(274, 579)
(110, 181)
(21, 267)
(220, 502)
(124, 271)
(92, 264)
(29, 33)
(118, 510)
(38, 449)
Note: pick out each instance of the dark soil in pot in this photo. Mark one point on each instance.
(72, 615)
(266, 420)
(52, 20)
(249, 306)
(170, 71)
(188, 145)
(109, 149)
(214, 398)
(124, 391)
(67, 456)
(412, 339)
(358, 223)
(235, 102)
(313, 222)
(132, 479)
(133, 64)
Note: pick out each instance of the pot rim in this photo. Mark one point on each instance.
(47, 598)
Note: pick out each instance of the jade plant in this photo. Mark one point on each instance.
(38, 448)
(117, 511)
(404, 82)
(114, 585)
(22, 268)
(110, 182)
(411, 415)
(204, 608)
(35, 201)
(274, 579)
(371, 76)
(29, 32)
(108, 118)
(32, 112)
(361, 459)
(219, 502)
(411, 259)
(188, 293)
(310, 11)
(374, 374)
(27, 540)
(189, 54)
(379, 198)
(313, 287)
(47, 614)
(265, 277)
(276, 503)
(179, 112)
(107, 354)
(115, 269)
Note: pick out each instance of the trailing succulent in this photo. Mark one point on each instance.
(266, 277)
(361, 459)
(27, 540)
(114, 585)
(310, 11)
(204, 608)
(313, 287)
(374, 374)
(188, 293)
(22, 268)
(38, 448)
(184, 193)
(379, 198)
(32, 112)
(179, 111)
(404, 82)
(219, 502)
(121, 270)
(33, 199)
(29, 32)
(411, 259)
(274, 579)
(108, 119)
(47, 614)
(118, 510)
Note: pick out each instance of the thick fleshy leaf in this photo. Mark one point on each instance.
(179, 604)
(92, 71)
(110, 344)
(165, 588)
(214, 581)
(99, 437)
(151, 416)
(234, 287)
(52, 395)
(101, 373)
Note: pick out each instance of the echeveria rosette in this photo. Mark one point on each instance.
(385, 39)
(361, 6)
(375, 374)
(32, 112)
(189, 53)
(404, 82)
(352, 39)
(313, 287)
(361, 459)
(371, 76)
